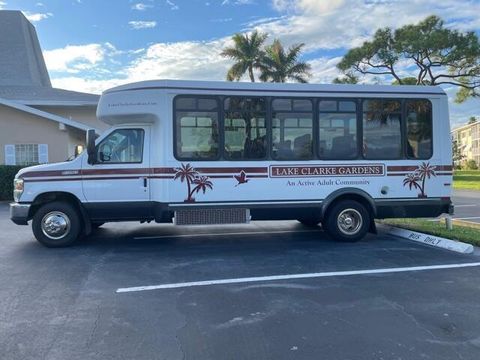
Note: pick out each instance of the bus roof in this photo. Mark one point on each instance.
(277, 87)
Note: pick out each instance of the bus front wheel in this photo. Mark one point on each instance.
(347, 221)
(56, 224)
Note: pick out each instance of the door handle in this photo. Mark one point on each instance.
(144, 182)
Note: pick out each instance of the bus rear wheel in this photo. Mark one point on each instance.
(347, 221)
(56, 224)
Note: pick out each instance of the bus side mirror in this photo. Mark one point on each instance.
(92, 155)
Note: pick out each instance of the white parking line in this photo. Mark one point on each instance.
(266, 232)
(465, 205)
(295, 276)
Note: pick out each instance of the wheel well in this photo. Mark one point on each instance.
(54, 196)
(368, 203)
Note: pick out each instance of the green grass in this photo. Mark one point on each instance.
(466, 179)
(459, 232)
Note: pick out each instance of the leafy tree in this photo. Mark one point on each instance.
(410, 80)
(457, 155)
(440, 56)
(471, 165)
(247, 53)
(280, 64)
(348, 78)
(472, 120)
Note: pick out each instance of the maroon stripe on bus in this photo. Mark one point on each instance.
(116, 171)
(414, 167)
(235, 170)
(436, 173)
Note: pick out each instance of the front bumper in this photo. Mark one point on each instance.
(19, 213)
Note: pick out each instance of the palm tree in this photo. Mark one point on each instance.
(202, 183)
(186, 173)
(247, 53)
(280, 64)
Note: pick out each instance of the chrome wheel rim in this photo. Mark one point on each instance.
(349, 221)
(55, 225)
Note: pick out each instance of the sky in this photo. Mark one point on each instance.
(92, 45)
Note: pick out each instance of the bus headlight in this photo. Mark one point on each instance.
(17, 189)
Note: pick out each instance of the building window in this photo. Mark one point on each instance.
(196, 126)
(245, 128)
(292, 129)
(338, 129)
(381, 129)
(26, 154)
(419, 129)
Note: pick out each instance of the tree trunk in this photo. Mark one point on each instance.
(250, 73)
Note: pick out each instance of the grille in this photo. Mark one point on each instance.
(212, 216)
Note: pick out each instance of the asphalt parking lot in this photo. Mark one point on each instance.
(64, 304)
(467, 205)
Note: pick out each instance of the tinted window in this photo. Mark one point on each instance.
(245, 128)
(419, 129)
(338, 129)
(381, 129)
(121, 146)
(292, 129)
(196, 122)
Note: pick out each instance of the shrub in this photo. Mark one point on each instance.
(7, 174)
(471, 165)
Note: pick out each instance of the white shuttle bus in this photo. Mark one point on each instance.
(194, 153)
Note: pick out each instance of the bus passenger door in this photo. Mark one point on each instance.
(117, 186)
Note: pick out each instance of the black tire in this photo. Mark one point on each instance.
(62, 213)
(310, 222)
(348, 209)
(96, 225)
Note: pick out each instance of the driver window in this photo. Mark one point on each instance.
(121, 146)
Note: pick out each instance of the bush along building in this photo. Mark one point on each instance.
(39, 123)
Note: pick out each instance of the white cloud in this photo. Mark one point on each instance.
(181, 60)
(2, 4)
(172, 5)
(238, 2)
(141, 6)
(339, 24)
(35, 17)
(75, 58)
(136, 25)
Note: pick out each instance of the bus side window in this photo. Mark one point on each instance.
(338, 129)
(196, 124)
(245, 128)
(292, 129)
(419, 129)
(382, 129)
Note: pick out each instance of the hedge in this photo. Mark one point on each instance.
(7, 174)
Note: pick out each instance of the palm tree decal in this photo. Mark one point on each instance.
(280, 64)
(247, 53)
(202, 184)
(191, 176)
(418, 177)
(412, 181)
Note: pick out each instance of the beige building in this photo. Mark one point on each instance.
(38, 123)
(468, 141)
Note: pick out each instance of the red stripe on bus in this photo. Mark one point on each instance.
(415, 167)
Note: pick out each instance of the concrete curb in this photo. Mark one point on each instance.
(430, 240)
